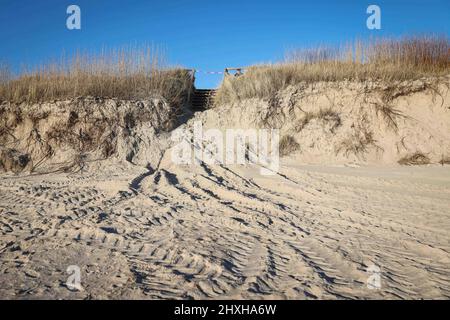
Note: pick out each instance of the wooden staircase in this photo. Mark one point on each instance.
(202, 99)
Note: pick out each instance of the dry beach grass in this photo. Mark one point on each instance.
(385, 60)
(123, 73)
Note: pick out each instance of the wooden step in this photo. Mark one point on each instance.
(202, 99)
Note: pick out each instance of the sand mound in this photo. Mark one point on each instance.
(74, 134)
(320, 123)
(351, 122)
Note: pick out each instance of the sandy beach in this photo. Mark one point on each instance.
(227, 232)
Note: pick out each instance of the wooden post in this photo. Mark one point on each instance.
(192, 81)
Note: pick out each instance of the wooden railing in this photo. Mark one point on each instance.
(238, 72)
(228, 72)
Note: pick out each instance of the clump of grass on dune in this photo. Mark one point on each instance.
(384, 60)
(288, 145)
(416, 158)
(125, 73)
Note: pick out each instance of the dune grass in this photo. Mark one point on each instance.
(124, 73)
(381, 59)
(416, 158)
(288, 145)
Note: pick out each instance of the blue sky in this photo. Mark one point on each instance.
(205, 34)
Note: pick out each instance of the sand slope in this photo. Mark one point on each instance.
(371, 123)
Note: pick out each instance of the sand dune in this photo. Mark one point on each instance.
(140, 226)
